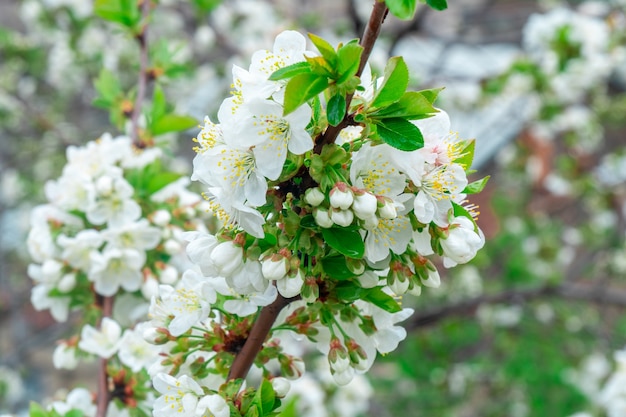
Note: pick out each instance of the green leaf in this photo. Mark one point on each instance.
(383, 300)
(460, 211)
(108, 88)
(394, 84)
(412, 105)
(301, 88)
(437, 4)
(336, 109)
(349, 291)
(326, 49)
(402, 9)
(173, 123)
(290, 410)
(36, 410)
(159, 104)
(431, 94)
(345, 241)
(467, 154)
(124, 12)
(400, 134)
(349, 60)
(476, 186)
(266, 397)
(160, 180)
(291, 70)
(336, 268)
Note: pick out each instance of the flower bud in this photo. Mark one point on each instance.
(433, 280)
(341, 196)
(227, 258)
(364, 205)
(370, 223)
(290, 286)
(386, 208)
(168, 275)
(172, 247)
(161, 218)
(462, 242)
(314, 196)
(64, 356)
(150, 288)
(342, 217)
(281, 386)
(274, 267)
(322, 218)
(67, 283)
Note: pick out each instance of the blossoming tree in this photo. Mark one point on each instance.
(329, 193)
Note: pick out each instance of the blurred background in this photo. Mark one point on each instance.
(535, 325)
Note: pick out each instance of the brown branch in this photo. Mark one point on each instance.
(104, 395)
(260, 329)
(142, 81)
(577, 292)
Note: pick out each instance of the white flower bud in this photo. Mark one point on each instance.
(314, 196)
(433, 280)
(341, 196)
(275, 269)
(150, 288)
(290, 286)
(161, 217)
(462, 242)
(67, 283)
(398, 286)
(388, 210)
(281, 386)
(342, 217)
(172, 247)
(322, 217)
(169, 275)
(416, 290)
(227, 258)
(364, 205)
(64, 357)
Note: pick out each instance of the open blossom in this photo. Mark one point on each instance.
(114, 203)
(115, 268)
(103, 342)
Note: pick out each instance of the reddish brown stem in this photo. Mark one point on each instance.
(260, 329)
(104, 396)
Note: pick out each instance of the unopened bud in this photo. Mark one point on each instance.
(342, 217)
(341, 196)
(314, 196)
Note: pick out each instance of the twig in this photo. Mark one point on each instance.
(104, 395)
(575, 292)
(142, 38)
(261, 328)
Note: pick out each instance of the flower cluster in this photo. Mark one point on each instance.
(334, 228)
(113, 225)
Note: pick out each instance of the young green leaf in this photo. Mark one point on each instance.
(431, 94)
(325, 48)
(336, 267)
(345, 241)
(124, 12)
(467, 154)
(394, 84)
(349, 60)
(412, 105)
(301, 88)
(108, 88)
(400, 134)
(476, 186)
(336, 109)
(402, 9)
(437, 4)
(290, 71)
(460, 211)
(383, 300)
(266, 397)
(160, 180)
(173, 123)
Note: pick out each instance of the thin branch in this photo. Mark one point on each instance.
(260, 329)
(575, 292)
(104, 395)
(142, 82)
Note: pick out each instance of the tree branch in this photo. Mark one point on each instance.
(260, 329)
(575, 292)
(104, 395)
